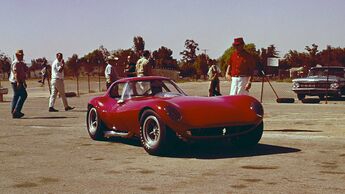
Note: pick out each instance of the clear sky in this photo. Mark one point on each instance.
(44, 27)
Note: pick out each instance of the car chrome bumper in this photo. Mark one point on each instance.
(315, 92)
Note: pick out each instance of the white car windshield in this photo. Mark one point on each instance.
(162, 88)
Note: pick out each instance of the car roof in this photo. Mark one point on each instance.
(144, 78)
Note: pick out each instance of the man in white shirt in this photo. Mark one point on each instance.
(110, 71)
(57, 84)
(142, 64)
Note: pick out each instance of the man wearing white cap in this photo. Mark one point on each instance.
(110, 71)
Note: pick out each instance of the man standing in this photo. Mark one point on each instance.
(44, 71)
(213, 75)
(142, 64)
(241, 66)
(110, 71)
(130, 68)
(17, 79)
(57, 84)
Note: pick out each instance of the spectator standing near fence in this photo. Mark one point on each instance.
(213, 75)
(241, 66)
(57, 84)
(44, 72)
(17, 78)
(142, 64)
(110, 71)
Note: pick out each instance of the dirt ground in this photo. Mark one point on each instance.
(302, 151)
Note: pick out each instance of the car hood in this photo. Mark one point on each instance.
(216, 111)
(317, 79)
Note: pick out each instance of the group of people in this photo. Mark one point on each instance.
(241, 66)
(240, 69)
(18, 77)
(139, 69)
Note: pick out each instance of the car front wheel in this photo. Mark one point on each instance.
(94, 124)
(250, 139)
(153, 136)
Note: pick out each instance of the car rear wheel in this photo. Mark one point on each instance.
(153, 133)
(94, 124)
(250, 139)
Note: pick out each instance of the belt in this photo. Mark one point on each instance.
(240, 76)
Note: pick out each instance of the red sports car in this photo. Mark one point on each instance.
(157, 111)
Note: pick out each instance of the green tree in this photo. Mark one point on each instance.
(189, 54)
(201, 65)
(73, 67)
(163, 58)
(223, 60)
(139, 45)
(295, 59)
(36, 64)
(313, 55)
(188, 58)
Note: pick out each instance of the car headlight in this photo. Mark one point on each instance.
(173, 113)
(295, 85)
(257, 108)
(334, 85)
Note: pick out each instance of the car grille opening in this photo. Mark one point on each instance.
(314, 85)
(219, 131)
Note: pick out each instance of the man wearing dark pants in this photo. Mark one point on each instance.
(17, 79)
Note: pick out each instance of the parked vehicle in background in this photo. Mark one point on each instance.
(321, 81)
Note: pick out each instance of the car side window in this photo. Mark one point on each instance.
(116, 90)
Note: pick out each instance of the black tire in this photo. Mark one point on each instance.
(285, 100)
(300, 96)
(338, 95)
(250, 139)
(153, 133)
(94, 125)
(322, 97)
(311, 100)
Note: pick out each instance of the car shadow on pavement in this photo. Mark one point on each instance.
(51, 117)
(128, 141)
(220, 152)
(212, 151)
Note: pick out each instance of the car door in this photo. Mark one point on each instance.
(114, 119)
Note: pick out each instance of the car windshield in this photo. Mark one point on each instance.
(162, 88)
(324, 72)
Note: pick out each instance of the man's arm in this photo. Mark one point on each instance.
(61, 66)
(227, 73)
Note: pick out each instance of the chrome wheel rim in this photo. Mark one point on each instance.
(93, 121)
(151, 131)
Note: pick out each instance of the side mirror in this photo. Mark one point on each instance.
(121, 101)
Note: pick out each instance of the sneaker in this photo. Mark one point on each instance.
(69, 108)
(17, 115)
(51, 109)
